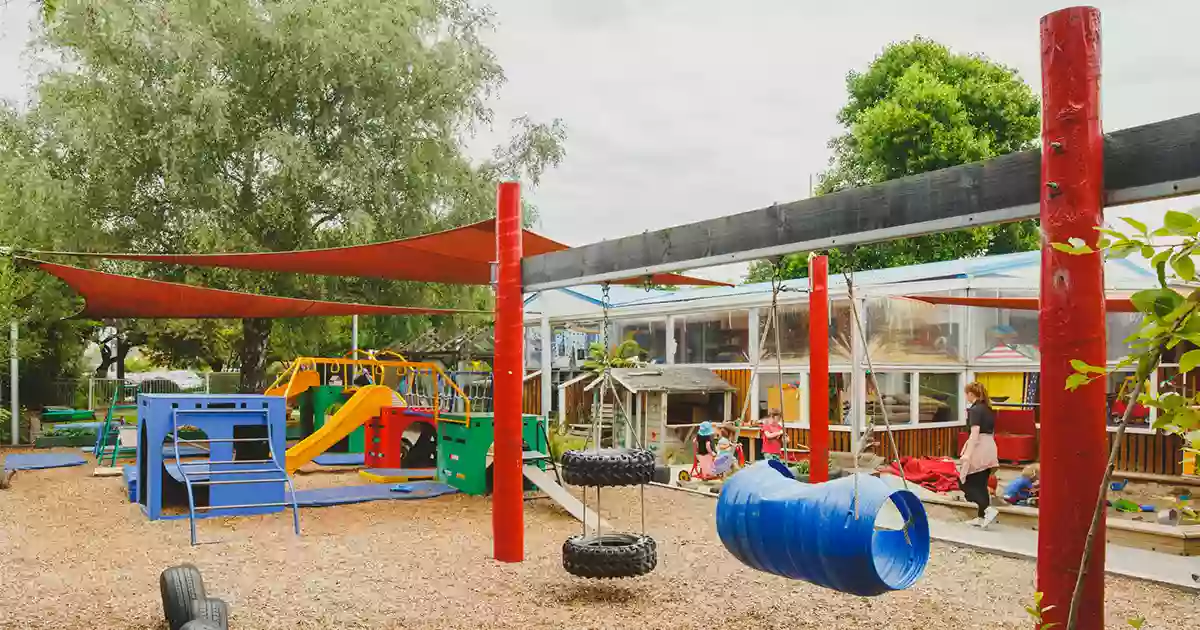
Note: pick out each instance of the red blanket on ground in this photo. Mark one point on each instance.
(937, 474)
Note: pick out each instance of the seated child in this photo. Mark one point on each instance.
(725, 459)
(1023, 489)
(704, 448)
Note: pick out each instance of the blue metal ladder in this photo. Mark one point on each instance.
(271, 465)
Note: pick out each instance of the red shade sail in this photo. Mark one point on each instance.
(1112, 304)
(459, 256)
(110, 295)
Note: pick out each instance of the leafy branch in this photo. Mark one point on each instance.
(1169, 320)
(627, 354)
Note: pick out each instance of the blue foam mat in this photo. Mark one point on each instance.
(342, 495)
(339, 459)
(39, 461)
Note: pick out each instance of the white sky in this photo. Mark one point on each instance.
(682, 110)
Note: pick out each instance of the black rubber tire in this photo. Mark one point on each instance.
(610, 556)
(197, 624)
(179, 586)
(608, 467)
(211, 610)
(662, 474)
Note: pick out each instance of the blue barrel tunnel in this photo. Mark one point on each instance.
(817, 533)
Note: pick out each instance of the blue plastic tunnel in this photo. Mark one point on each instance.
(813, 532)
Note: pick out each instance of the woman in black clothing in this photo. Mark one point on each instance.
(979, 457)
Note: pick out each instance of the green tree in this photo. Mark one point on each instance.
(229, 125)
(920, 107)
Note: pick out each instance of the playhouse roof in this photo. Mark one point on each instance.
(671, 379)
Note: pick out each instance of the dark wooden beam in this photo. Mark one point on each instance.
(1153, 161)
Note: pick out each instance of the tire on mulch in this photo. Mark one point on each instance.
(608, 467)
(610, 556)
(179, 586)
(212, 611)
(197, 624)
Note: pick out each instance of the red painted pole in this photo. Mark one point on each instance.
(818, 368)
(1071, 319)
(508, 522)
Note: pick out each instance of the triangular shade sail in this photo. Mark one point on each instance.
(114, 296)
(1112, 304)
(459, 256)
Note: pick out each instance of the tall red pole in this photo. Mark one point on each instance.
(1071, 320)
(818, 368)
(508, 523)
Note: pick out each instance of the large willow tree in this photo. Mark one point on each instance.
(259, 125)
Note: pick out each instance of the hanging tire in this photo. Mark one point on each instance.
(610, 556)
(212, 611)
(608, 467)
(179, 586)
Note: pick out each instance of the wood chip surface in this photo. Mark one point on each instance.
(75, 554)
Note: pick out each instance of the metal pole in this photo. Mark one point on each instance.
(508, 523)
(547, 369)
(354, 335)
(1071, 318)
(818, 368)
(14, 381)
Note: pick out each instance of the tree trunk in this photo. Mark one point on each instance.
(256, 333)
(122, 350)
(106, 360)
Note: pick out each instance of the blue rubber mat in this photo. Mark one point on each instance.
(39, 461)
(342, 495)
(339, 459)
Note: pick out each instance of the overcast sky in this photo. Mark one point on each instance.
(681, 110)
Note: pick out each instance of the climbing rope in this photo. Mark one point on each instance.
(869, 427)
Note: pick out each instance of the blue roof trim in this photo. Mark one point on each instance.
(1136, 268)
(586, 298)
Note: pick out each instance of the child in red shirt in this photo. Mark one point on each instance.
(772, 435)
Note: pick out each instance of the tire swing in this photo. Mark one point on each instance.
(608, 555)
(856, 535)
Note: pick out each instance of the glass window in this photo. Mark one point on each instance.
(1002, 335)
(1119, 387)
(650, 335)
(720, 337)
(841, 318)
(940, 397)
(903, 331)
(571, 343)
(793, 333)
(769, 396)
(533, 348)
(895, 388)
(1120, 327)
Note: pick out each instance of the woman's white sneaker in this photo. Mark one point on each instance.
(989, 517)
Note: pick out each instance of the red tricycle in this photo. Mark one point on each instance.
(695, 474)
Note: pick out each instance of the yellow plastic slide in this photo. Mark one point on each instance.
(363, 405)
(299, 383)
